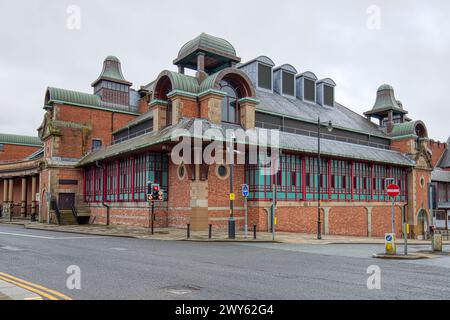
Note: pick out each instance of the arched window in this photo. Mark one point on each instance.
(230, 110)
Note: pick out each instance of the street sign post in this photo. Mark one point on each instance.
(389, 241)
(245, 194)
(154, 194)
(393, 191)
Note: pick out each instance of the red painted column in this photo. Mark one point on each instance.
(303, 163)
(118, 179)
(94, 180)
(329, 179)
(372, 175)
(132, 178)
(84, 185)
(352, 179)
(105, 186)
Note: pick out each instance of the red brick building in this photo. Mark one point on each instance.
(100, 149)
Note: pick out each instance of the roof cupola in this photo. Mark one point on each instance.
(207, 54)
(111, 86)
(387, 108)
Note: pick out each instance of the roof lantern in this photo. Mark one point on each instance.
(206, 53)
(112, 71)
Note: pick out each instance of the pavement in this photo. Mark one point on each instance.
(177, 234)
(120, 268)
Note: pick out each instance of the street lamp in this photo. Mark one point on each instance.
(232, 221)
(329, 125)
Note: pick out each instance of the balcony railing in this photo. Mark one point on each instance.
(326, 136)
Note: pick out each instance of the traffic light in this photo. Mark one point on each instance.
(154, 192)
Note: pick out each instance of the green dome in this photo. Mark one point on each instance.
(208, 43)
(112, 71)
(385, 101)
(219, 53)
(112, 58)
(385, 87)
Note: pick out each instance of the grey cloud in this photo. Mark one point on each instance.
(330, 38)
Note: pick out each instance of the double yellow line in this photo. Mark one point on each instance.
(44, 292)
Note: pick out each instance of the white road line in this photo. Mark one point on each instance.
(48, 238)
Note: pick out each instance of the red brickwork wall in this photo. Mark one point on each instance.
(382, 221)
(103, 123)
(15, 152)
(348, 221)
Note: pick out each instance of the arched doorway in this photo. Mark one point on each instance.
(422, 225)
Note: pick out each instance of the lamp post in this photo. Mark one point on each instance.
(232, 221)
(329, 125)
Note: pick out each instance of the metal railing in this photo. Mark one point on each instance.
(54, 206)
(326, 136)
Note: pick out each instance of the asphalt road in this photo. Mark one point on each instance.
(120, 268)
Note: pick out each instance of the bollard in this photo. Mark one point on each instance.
(210, 232)
(188, 231)
(254, 232)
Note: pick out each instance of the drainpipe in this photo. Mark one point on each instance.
(101, 166)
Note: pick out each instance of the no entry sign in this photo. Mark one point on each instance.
(393, 190)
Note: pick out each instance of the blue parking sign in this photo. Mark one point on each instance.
(245, 190)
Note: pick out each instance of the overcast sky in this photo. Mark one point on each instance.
(359, 44)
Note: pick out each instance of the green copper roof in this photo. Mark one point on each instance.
(406, 128)
(385, 101)
(20, 140)
(209, 82)
(73, 97)
(80, 99)
(184, 82)
(210, 44)
(112, 71)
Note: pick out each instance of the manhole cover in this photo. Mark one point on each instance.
(181, 290)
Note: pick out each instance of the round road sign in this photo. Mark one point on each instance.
(393, 190)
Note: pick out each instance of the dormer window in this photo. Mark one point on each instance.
(309, 90)
(325, 92)
(328, 95)
(264, 76)
(284, 80)
(288, 84)
(260, 72)
(306, 86)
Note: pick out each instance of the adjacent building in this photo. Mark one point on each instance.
(97, 151)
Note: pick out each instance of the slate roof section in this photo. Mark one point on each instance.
(342, 117)
(36, 155)
(440, 175)
(142, 118)
(288, 141)
(20, 140)
(445, 161)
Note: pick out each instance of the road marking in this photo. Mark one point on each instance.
(35, 288)
(118, 249)
(34, 298)
(8, 248)
(49, 238)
